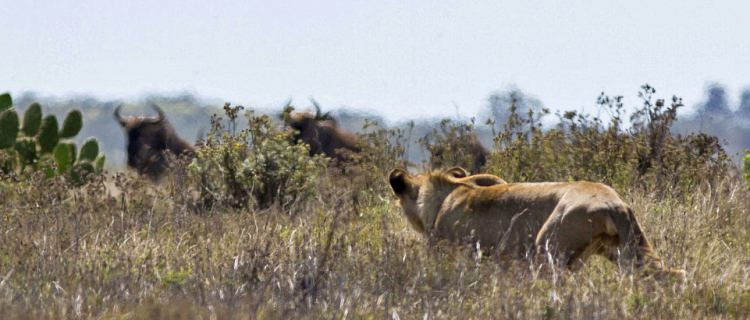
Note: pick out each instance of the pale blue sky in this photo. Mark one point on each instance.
(399, 58)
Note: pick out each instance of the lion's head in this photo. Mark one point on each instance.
(407, 188)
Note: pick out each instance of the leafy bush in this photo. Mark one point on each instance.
(455, 144)
(256, 166)
(584, 147)
(382, 149)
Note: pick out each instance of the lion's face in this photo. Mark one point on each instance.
(407, 188)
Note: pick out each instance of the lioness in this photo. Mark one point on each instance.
(568, 221)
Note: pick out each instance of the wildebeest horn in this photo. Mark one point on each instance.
(319, 115)
(160, 114)
(286, 111)
(317, 108)
(118, 117)
(288, 103)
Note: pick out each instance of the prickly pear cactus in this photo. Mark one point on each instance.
(39, 143)
(32, 120)
(72, 124)
(8, 128)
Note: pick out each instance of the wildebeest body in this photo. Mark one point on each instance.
(323, 135)
(148, 139)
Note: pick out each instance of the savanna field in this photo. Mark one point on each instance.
(254, 227)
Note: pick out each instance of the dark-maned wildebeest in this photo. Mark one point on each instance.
(322, 134)
(148, 139)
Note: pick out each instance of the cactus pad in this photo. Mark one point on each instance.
(48, 137)
(72, 124)
(89, 150)
(8, 128)
(99, 162)
(32, 119)
(5, 101)
(64, 156)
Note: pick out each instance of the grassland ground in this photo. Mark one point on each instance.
(152, 252)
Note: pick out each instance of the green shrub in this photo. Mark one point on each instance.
(257, 166)
(382, 149)
(584, 147)
(455, 144)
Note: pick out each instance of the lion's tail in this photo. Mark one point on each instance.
(634, 247)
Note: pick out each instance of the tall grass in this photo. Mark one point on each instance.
(123, 247)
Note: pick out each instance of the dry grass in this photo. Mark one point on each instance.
(149, 253)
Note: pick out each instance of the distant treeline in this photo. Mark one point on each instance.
(716, 116)
(191, 116)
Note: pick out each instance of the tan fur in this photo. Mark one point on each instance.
(480, 180)
(458, 173)
(568, 221)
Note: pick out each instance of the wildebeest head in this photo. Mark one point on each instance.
(148, 139)
(321, 133)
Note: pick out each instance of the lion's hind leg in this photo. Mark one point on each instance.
(601, 245)
(571, 237)
(634, 251)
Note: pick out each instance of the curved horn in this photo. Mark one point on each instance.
(117, 115)
(318, 113)
(286, 111)
(160, 114)
(288, 103)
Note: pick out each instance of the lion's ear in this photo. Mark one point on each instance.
(397, 179)
(457, 172)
